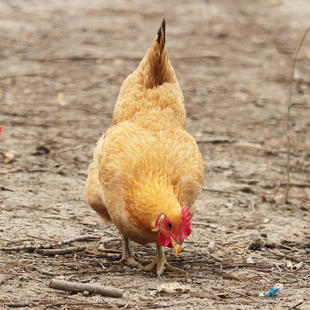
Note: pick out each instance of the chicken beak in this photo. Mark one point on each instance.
(177, 247)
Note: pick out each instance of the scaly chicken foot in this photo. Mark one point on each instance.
(161, 263)
(128, 257)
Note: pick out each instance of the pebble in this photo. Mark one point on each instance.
(172, 288)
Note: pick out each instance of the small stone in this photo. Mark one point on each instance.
(211, 245)
(172, 288)
(250, 260)
(8, 157)
(289, 265)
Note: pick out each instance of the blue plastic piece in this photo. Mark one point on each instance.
(271, 292)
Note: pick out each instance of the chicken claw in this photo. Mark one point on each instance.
(128, 257)
(161, 263)
(129, 261)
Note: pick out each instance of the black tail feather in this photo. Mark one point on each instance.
(161, 35)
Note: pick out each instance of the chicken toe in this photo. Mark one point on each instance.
(160, 263)
(128, 257)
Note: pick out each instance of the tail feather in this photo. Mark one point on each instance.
(161, 36)
(156, 61)
(151, 86)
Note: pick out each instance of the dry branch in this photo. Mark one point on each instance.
(79, 238)
(27, 248)
(208, 55)
(295, 306)
(82, 287)
(69, 149)
(201, 224)
(214, 257)
(219, 191)
(289, 107)
(52, 252)
(111, 251)
(229, 276)
(100, 305)
(18, 304)
(26, 75)
(51, 247)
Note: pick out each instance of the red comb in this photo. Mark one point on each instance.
(185, 228)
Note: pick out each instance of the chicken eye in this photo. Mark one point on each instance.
(169, 226)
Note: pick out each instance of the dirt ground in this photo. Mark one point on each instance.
(62, 63)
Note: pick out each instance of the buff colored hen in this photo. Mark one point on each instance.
(147, 170)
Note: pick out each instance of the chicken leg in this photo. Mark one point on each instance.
(127, 255)
(161, 263)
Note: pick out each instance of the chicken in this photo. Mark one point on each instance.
(147, 171)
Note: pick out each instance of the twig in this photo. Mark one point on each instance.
(106, 301)
(214, 257)
(81, 303)
(27, 248)
(52, 252)
(18, 304)
(220, 191)
(210, 55)
(36, 237)
(47, 273)
(15, 241)
(80, 238)
(242, 190)
(70, 149)
(26, 75)
(295, 306)
(201, 224)
(229, 276)
(215, 141)
(2, 188)
(289, 107)
(58, 170)
(295, 259)
(32, 248)
(127, 304)
(81, 287)
(12, 170)
(300, 185)
(112, 251)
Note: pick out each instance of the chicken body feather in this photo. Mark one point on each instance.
(146, 173)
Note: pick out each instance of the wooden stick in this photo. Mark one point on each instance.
(214, 257)
(289, 107)
(80, 303)
(81, 287)
(79, 238)
(32, 248)
(18, 304)
(229, 276)
(106, 302)
(52, 252)
(295, 306)
(201, 224)
(26, 75)
(69, 149)
(27, 248)
(210, 55)
(220, 191)
(113, 251)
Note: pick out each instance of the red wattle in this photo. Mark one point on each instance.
(162, 240)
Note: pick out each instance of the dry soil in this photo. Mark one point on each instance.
(61, 66)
